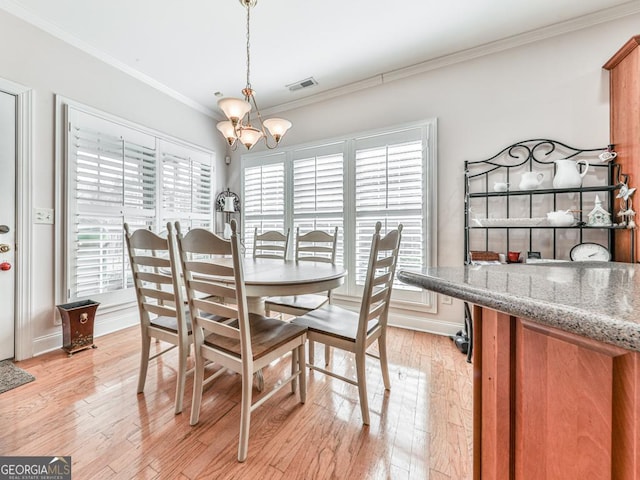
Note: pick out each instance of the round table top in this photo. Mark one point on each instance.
(269, 277)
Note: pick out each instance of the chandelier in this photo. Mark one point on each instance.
(238, 127)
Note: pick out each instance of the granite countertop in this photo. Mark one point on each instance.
(597, 300)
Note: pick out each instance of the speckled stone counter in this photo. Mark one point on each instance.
(596, 300)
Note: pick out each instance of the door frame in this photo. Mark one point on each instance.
(23, 340)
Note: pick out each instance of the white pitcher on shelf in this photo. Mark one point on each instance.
(567, 173)
(531, 180)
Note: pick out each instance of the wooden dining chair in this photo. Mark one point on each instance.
(161, 302)
(271, 244)
(354, 332)
(245, 344)
(314, 246)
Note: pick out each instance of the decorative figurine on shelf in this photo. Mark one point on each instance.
(599, 217)
(227, 202)
(626, 211)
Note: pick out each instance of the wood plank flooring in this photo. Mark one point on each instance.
(87, 407)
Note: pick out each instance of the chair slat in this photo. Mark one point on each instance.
(385, 262)
(151, 261)
(215, 308)
(211, 288)
(315, 248)
(278, 248)
(155, 278)
(158, 294)
(379, 280)
(302, 258)
(376, 311)
(379, 296)
(219, 328)
(160, 310)
(210, 268)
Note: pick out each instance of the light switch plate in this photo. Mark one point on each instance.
(43, 215)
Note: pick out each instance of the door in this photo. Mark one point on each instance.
(7, 223)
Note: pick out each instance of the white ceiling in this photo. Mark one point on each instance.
(195, 48)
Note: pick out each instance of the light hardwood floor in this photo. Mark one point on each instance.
(87, 407)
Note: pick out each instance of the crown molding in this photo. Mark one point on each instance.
(585, 21)
(29, 17)
(575, 24)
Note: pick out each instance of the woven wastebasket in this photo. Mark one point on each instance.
(77, 325)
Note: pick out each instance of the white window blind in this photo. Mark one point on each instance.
(263, 205)
(186, 187)
(352, 183)
(318, 194)
(390, 187)
(114, 175)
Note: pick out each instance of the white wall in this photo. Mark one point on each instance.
(49, 66)
(554, 88)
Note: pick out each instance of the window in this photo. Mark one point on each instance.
(263, 206)
(318, 191)
(115, 174)
(186, 185)
(389, 187)
(351, 183)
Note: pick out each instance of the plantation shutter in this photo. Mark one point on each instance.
(186, 184)
(318, 191)
(112, 176)
(117, 172)
(390, 187)
(264, 199)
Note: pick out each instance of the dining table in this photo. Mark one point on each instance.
(268, 277)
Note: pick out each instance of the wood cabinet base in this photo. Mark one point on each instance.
(552, 405)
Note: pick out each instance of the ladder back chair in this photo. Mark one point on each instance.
(244, 343)
(356, 331)
(161, 303)
(314, 246)
(271, 244)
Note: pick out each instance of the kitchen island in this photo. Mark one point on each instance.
(556, 367)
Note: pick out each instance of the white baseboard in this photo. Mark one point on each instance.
(422, 324)
(412, 320)
(104, 324)
(126, 317)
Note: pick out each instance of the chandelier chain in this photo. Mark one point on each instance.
(248, 44)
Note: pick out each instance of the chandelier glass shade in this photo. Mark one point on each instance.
(238, 127)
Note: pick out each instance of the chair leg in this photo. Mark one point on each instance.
(327, 355)
(182, 376)
(245, 417)
(198, 380)
(295, 365)
(259, 380)
(144, 361)
(302, 366)
(312, 347)
(362, 386)
(382, 348)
